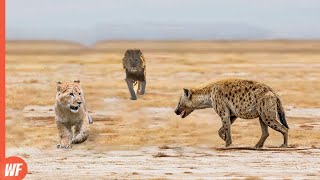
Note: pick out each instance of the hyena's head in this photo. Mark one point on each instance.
(69, 95)
(185, 105)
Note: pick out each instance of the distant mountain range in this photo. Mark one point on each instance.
(149, 31)
(190, 31)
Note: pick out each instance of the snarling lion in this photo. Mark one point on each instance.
(70, 111)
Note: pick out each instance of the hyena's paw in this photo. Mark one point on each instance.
(222, 133)
(228, 143)
(133, 97)
(258, 146)
(283, 146)
(64, 146)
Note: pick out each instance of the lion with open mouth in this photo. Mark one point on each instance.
(71, 112)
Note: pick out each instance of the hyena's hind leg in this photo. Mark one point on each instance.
(270, 115)
(80, 132)
(264, 135)
(141, 87)
(221, 131)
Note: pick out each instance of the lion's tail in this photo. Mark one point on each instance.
(281, 113)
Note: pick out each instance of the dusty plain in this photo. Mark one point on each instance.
(144, 139)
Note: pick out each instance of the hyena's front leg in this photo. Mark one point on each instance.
(224, 112)
(226, 124)
(130, 87)
(65, 135)
(141, 87)
(80, 132)
(221, 130)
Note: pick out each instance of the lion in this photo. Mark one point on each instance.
(70, 111)
(233, 98)
(135, 67)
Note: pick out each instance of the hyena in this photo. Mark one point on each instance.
(233, 98)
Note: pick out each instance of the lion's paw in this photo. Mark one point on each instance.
(140, 92)
(64, 146)
(75, 141)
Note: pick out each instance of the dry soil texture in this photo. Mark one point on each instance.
(144, 139)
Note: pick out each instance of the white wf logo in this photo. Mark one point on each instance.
(13, 169)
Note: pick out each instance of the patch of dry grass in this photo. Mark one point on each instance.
(171, 66)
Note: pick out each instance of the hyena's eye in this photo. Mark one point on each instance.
(71, 94)
(79, 94)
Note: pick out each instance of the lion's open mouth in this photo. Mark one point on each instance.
(74, 108)
(134, 69)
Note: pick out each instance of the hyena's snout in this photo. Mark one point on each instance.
(177, 112)
(182, 112)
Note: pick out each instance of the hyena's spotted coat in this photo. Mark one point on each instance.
(234, 98)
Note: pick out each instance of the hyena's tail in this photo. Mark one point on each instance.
(281, 113)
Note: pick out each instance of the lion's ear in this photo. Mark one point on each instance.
(187, 93)
(127, 52)
(77, 81)
(58, 85)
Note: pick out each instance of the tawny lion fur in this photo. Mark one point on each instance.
(70, 111)
(233, 98)
(135, 67)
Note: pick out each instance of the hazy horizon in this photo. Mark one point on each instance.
(95, 20)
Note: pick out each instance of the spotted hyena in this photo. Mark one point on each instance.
(233, 98)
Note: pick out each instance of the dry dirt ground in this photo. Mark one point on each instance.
(144, 139)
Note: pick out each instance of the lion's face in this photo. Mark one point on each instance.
(133, 60)
(69, 95)
(185, 105)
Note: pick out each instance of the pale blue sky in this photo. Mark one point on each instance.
(92, 20)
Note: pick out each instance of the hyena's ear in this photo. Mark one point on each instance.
(187, 93)
(77, 81)
(58, 85)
